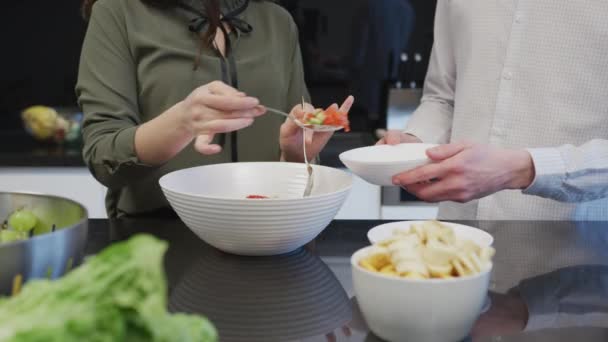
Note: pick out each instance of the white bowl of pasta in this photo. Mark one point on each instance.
(421, 287)
(213, 202)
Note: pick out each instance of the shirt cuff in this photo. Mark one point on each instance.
(542, 306)
(550, 170)
(125, 154)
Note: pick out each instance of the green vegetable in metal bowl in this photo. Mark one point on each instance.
(31, 221)
(12, 236)
(117, 295)
(22, 220)
(19, 226)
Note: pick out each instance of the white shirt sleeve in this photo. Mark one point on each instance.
(432, 121)
(571, 174)
(570, 297)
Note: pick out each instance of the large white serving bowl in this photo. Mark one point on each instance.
(433, 310)
(378, 164)
(211, 200)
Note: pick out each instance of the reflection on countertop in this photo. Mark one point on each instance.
(282, 298)
(560, 268)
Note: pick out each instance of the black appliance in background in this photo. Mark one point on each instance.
(363, 48)
(41, 42)
(359, 47)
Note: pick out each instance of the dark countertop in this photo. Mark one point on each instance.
(307, 295)
(20, 150)
(17, 149)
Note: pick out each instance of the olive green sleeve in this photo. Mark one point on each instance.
(107, 94)
(297, 85)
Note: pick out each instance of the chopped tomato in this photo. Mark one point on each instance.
(329, 117)
(257, 197)
(335, 117)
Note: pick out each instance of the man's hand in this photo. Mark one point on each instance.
(397, 137)
(507, 315)
(463, 172)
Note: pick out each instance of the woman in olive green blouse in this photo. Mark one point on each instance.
(158, 85)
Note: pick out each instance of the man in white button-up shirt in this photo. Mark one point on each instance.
(526, 84)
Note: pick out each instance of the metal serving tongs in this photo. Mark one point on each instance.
(309, 180)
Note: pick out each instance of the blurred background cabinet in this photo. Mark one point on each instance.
(360, 47)
(377, 50)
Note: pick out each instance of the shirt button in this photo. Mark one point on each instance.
(507, 75)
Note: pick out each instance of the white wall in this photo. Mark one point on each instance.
(363, 203)
(75, 183)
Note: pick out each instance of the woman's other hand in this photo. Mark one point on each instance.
(291, 138)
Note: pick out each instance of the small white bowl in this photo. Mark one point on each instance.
(385, 231)
(211, 200)
(378, 164)
(432, 310)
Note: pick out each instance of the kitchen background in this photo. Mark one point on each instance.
(377, 50)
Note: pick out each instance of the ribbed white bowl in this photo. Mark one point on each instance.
(211, 200)
(378, 164)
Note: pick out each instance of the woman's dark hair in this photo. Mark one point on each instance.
(210, 7)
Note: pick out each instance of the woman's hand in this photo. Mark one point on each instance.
(217, 108)
(208, 110)
(291, 138)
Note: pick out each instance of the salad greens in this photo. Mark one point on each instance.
(117, 295)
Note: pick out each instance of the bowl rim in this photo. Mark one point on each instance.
(344, 156)
(82, 222)
(359, 254)
(411, 222)
(259, 202)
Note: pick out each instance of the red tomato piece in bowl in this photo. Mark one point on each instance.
(257, 197)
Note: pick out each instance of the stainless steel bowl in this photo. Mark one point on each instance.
(48, 255)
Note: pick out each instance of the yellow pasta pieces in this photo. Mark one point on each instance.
(430, 250)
